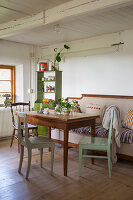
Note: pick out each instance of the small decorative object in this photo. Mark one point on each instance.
(47, 88)
(43, 66)
(42, 78)
(46, 111)
(51, 78)
(43, 89)
(41, 108)
(76, 107)
(8, 100)
(58, 56)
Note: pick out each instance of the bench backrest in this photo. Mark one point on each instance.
(123, 102)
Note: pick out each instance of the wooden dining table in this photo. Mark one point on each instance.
(66, 123)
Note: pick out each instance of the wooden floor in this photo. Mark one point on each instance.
(93, 185)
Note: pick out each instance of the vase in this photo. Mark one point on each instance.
(55, 67)
(58, 109)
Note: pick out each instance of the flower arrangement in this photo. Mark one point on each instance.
(8, 100)
(49, 101)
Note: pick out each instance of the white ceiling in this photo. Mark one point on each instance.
(71, 29)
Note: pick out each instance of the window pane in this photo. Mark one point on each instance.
(2, 99)
(5, 86)
(5, 74)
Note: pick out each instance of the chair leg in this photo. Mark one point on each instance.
(80, 160)
(29, 162)
(36, 134)
(85, 153)
(52, 158)
(21, 158)
(109, 163)
(18, 146)
(12, 138)
(41, 156)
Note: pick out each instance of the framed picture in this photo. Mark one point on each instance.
(43, 66)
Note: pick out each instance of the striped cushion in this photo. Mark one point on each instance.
(100, 131)
(128, 120)
(126, 134)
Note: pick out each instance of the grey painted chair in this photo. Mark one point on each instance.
(20, 107)
(98, 144)
(30, 143)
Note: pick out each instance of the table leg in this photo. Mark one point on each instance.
(93, 135)
(49, 135)
(49, 132)
(93, 128)
(65, 151)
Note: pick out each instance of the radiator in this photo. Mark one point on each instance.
(6, 128)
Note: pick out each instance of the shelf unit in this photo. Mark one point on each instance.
(56, 84)
(42, 92)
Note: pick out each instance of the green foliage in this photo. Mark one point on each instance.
(63, 103)
(67, 104)
(58, 53)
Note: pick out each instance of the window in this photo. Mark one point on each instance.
(7, 82)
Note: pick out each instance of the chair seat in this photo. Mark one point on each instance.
(94, 143)
(30, 126)
(39, 141)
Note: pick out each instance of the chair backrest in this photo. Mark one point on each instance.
(111, 127)
(23, 127)
(20, 106)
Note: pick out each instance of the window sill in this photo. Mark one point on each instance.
(3, 108)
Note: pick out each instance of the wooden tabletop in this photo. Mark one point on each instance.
(72, 117)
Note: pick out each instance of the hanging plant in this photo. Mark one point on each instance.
(58, 55)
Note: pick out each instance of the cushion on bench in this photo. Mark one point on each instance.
(126, 134)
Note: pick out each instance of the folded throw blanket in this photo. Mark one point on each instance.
(116, 127)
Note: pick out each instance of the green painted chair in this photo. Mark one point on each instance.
(97, 144)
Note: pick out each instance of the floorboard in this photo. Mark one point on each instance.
(93, 185)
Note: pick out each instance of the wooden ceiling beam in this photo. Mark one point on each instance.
(64, 11)
(79, 7)
(19, 26)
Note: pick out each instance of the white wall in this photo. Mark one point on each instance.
(18, 55)
(100, 74)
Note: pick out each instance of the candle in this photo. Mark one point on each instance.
(40, 106)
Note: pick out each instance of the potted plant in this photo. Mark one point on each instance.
(66, 107)
(8, 100)
(63, 106)
(58, 56)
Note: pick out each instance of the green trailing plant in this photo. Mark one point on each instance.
(58, 55)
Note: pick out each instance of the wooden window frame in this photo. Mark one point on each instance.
(12, 68)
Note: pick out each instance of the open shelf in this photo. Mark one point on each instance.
(49, 81)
